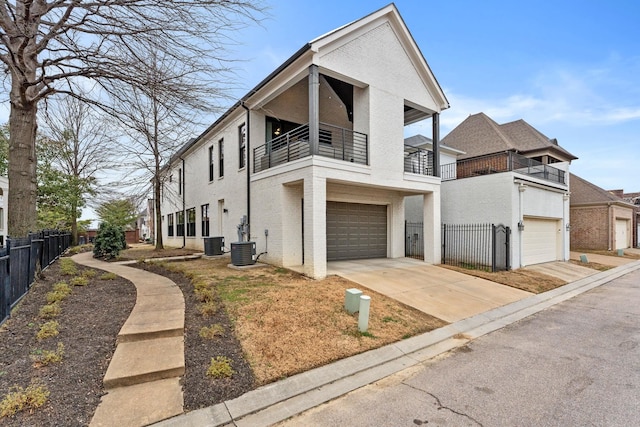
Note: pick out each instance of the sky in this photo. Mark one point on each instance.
(571, 69)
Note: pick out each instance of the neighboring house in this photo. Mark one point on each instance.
(314, 155)
(634, 199)
(600, 220)
(4, 212)
(510, 174)
(142, 225)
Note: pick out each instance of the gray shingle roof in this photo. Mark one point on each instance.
(478, 135)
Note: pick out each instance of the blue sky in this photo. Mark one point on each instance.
(569, 68)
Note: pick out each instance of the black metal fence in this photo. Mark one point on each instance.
(414, 240)
(20, 260)
(476, 246)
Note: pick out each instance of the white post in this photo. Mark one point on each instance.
(363, 315)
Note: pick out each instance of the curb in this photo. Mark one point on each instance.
(279, 401)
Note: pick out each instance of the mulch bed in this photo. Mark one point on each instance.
(91, 318)
(200, 390)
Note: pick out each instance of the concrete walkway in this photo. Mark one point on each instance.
(440, 292)
(143, 378)
(566, 271)
(276, 402)
(602, 259)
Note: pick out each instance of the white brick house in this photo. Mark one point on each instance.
(315, 154)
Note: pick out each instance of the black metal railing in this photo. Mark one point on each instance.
(476, 246)
(418, 160)
(501, 162)
(21, 258)
(334, 142)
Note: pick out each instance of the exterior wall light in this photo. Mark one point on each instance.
(520, 226)
(568, 226)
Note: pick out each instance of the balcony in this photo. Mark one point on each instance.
(334, 142)
(502, 162)
(418, 160)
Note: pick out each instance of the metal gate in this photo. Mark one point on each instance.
(501, 248)
(476, 246)
(414, 240)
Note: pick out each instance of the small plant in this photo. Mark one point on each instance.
(205, 294)
(220, 367)
(47, 357)
(208, 308)
(62, 287)
(48, 330)
(211, 332)
(108, 276)
(79, 281)
(389, 319)
(20, 399)
(50, 311)
(59, 294)
(89, 274)
(68, 267)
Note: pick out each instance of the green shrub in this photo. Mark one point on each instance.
(50, 311)
(89, 274)
(48, 330)
(21, 399)
(62, 287)
(79, 281)
(109, 241)
(47, 357)
(211, 332)
(68, 267)
(205, 295)
(108, 276)
(220, 367)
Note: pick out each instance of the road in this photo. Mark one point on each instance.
(574, 364)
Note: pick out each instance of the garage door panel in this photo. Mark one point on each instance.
(539, 240)
(356, 231)
(622, 236)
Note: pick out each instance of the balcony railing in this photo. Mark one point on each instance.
(501, 162)
(334, 142)
(418, 160)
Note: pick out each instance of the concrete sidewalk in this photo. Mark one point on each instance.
(143, 377)
(281, 400)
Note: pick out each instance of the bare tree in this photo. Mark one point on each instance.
(54, 46)
(79, 150)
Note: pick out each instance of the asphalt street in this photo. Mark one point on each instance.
(574, 364)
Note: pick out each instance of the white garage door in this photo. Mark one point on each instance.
(622, 234)
(540, 240)
(356, 231)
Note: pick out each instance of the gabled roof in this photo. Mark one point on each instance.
(478, 135)
(421, 141)
(585, 193)
(389, 12)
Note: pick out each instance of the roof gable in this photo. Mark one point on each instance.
(584, 192)
(478, 135)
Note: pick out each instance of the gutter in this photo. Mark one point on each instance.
(248, 166)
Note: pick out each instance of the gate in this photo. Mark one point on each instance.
(476, 246)
(414, 240)
(501, 248)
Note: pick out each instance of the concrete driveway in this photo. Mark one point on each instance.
(566, 271)
(440, 292)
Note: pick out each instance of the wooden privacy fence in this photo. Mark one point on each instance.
(21, 259)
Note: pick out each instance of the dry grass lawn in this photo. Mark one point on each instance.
(141, 251)
(527, 280)
(288, 323)
(592, 265)
(627, 254)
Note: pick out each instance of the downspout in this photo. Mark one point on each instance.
(184, 207)
(248, 165)
(609, 234)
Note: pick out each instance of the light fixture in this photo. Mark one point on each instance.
(521, 226)
(568, 226)
(277, 131)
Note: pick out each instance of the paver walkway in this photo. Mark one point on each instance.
(143, 378)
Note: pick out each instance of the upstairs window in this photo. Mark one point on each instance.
(221, 158)
(179, 181)
(211, 163)
(242, 145)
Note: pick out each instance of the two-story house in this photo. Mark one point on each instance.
(314, 155)
(510, 174)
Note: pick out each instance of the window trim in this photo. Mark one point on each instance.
(205, 220)
(191, 225)
(180, 223)
(242, 146)
(170, 225)
(211, 164)
(221, 158)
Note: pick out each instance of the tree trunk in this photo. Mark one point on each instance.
(22, 169)
(158, 214)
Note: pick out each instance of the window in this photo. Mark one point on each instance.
(1, 218)
(179, 181)
(242, 143)
(170, 225)
(211, 163)
(180, 223)
(221, 158)
(191, 222)
(204, 213)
